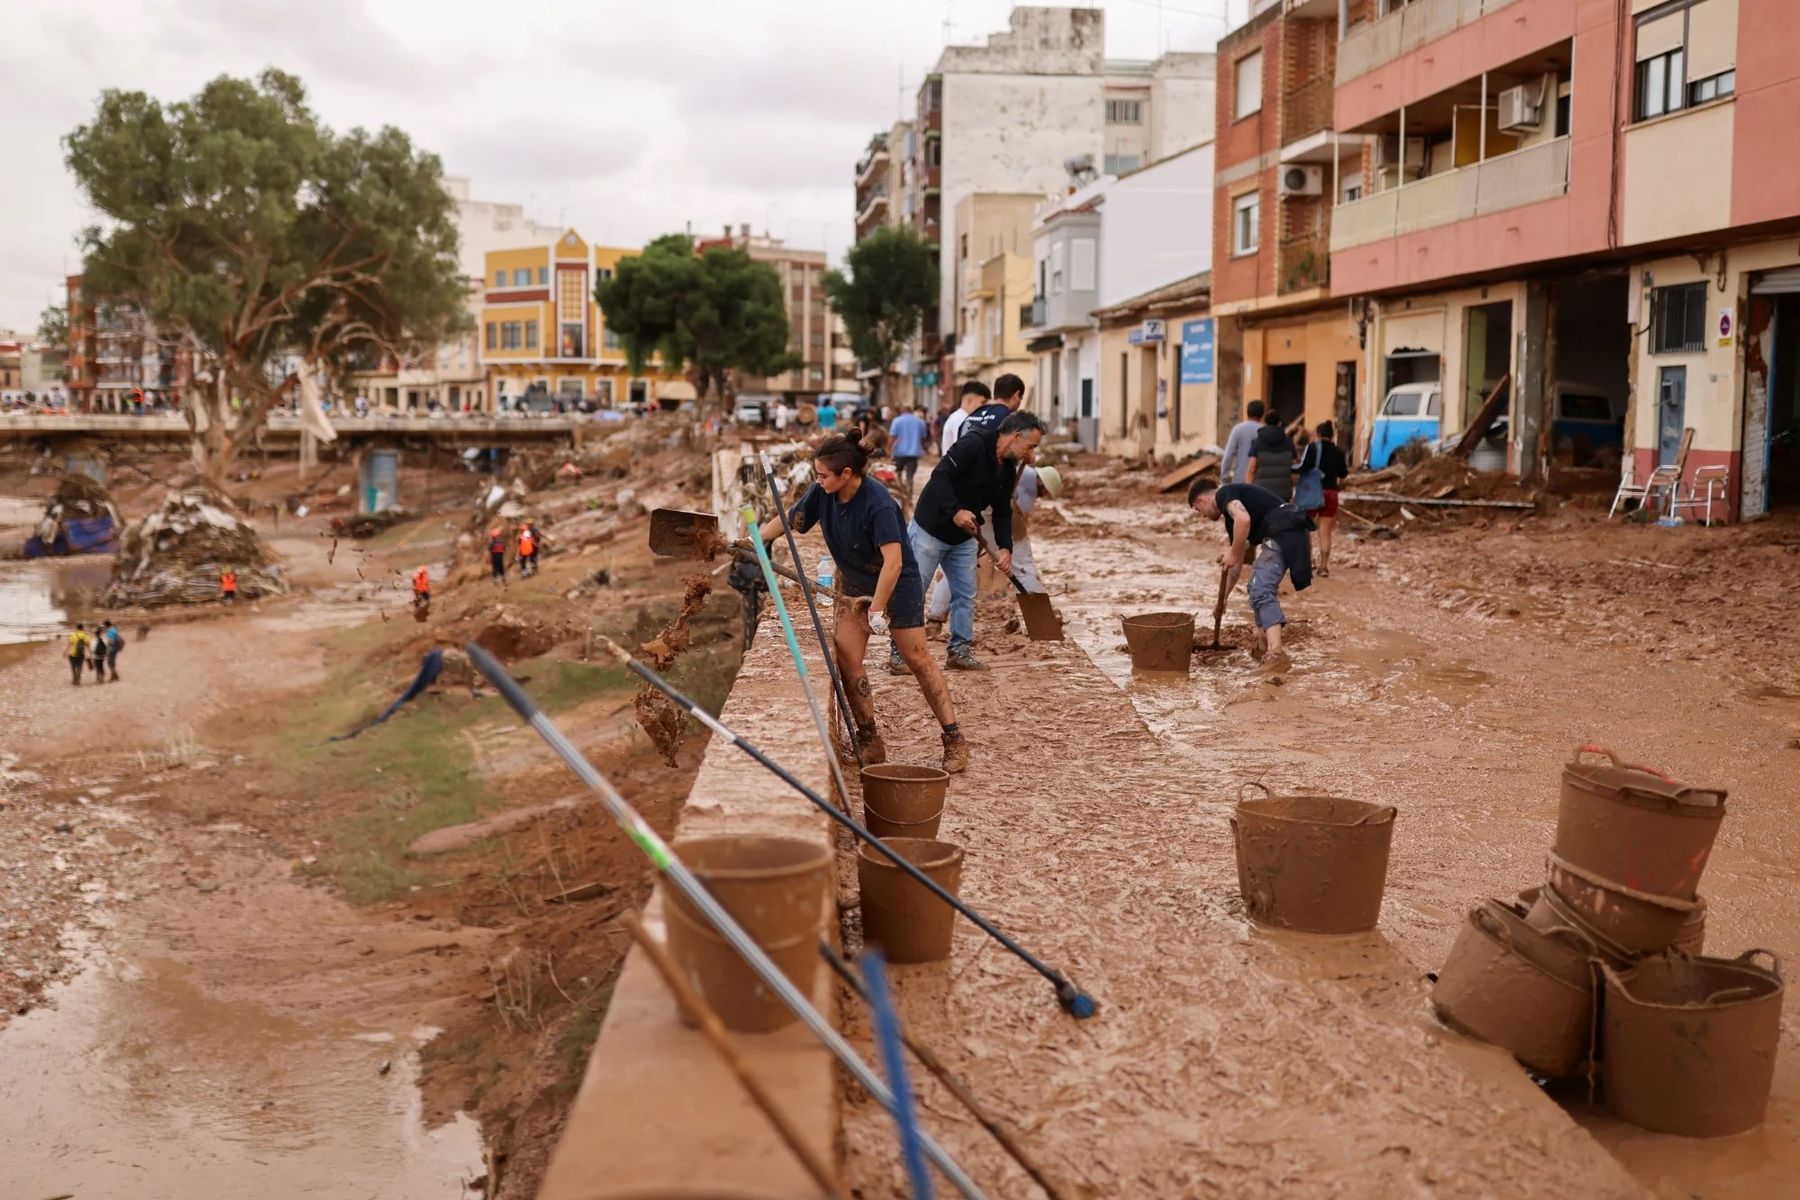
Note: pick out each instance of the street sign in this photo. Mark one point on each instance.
(1197, 351)
(927, 379)
(1725, 326)
(1150, 331)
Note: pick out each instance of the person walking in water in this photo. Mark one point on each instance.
(866, 537)
(497, 554)
(77, 652)
(1272, 458)
(1255, 518)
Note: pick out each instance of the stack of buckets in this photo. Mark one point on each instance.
(1599, 971)
(778, 889)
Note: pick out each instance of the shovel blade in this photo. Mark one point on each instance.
(677, 533)
(1041, 622)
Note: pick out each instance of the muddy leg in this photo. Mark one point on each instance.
(911, 644)
(1325, 527)
(851, 641)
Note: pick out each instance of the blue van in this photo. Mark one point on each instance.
(1412, 412)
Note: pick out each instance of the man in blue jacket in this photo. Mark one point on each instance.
(975, 476)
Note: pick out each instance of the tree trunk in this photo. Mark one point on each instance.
(214, 442)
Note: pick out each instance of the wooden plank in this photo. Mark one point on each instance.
(1490, 408)
(1186, 471)
(1379, 498)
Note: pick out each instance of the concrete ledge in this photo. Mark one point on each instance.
(657, 1113)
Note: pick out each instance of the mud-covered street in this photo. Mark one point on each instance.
(1449, 673)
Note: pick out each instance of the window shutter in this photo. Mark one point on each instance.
(1712, 38)
(1659, 36)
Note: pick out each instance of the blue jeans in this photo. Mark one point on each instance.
(1265, 581)
(958, 562)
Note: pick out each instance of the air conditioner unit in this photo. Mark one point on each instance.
(1388, 155)
(1302, 181)
(1522, 107)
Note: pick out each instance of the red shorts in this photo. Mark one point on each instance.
(1327, 509)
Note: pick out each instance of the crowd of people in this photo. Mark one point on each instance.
(98, 650)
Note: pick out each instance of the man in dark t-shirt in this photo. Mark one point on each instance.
(1256, 518)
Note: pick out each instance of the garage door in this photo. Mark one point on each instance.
(1785, 282)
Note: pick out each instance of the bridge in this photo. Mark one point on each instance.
(282, 431)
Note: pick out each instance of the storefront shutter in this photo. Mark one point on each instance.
(1712, 38)
(1785, 282)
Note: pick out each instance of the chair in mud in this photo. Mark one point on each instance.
(1708, 486)
(1663, 482)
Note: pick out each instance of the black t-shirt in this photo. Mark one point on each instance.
(987, 417)
(1259, 502)
(1332, 464)
(856, 531)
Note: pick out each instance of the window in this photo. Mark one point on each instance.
(531, 335)
(1713, 87)
(1083, 264)
(1352, 188)
(962, 251)
(1247, 75)
(1124, 112)
(509, 335)
(1118, 164)
(1246, 223)
(610, 340)
(1678, 319)
(493, 335)
(521, 277)
(499, 278)
(603, 274)
(1402, 404)
(1057, 252)
(543, 276)
(1659, 87)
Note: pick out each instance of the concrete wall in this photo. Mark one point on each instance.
(1765, 174)
(1128, 378)
(1182, 103)
(1195, 404)
(1321, 340)
(1678, 173)
(1157, 226)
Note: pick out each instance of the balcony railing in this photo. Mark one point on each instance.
(1506, 181)
(1306, 110)
(1405, 30)
(1305, 263)
(1033, 315)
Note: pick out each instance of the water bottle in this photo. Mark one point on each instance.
(826, 577)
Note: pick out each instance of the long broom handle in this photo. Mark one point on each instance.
(793, 642)
(1068, 995)
(887, 1041)
(837, 681)
(691, 889)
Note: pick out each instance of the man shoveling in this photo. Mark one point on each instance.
(1256, 520)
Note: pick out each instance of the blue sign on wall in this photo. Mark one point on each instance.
(1197, 351)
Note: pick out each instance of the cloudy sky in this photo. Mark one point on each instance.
(624, 118)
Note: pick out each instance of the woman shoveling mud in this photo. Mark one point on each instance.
(866, 536)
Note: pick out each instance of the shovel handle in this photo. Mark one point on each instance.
(750, 556)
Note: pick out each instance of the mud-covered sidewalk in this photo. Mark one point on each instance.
(1231, 1061)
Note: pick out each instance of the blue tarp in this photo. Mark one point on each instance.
(82, 535)
(429, 670)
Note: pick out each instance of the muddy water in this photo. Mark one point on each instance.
(132, 1082)
(37, 597)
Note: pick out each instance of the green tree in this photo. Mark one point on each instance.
(891, 281)
(710, 313)
(264, 241)
(53, 327)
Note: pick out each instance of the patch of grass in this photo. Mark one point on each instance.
(575, 1042)
(560, 683)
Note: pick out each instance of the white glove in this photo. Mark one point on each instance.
(878, 623)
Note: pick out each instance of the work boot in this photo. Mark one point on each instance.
(1276, 662)
(896, 664)
(962, 658)
(874, 750)
(956, 752)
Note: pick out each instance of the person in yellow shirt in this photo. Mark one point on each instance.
(78, 644)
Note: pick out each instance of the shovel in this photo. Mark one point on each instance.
(1041, 622)
(1219, 609)
(678, 533)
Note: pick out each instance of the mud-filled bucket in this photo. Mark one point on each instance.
(1317, 864)
(1687, 1045)
(1162, 641)
(1635, 825)
(1623, 921)
(898, 914)
(1526, 990)
(903, 801)
(775, 888)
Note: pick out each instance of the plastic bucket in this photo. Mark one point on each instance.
(1528, 991)
(1317, 864)
(1623, 921)
(1688, 1044)
(1161, 641)
(1635, 825)
(909, 923)
(776, 889)
(903, 801)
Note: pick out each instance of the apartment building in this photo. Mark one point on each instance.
(815, 334)
(1021, 111)
(882, 180)
(1280, 166)
(1590, 207)
(993, 284)
(115, 353)
(544, 339)
(1062, 337)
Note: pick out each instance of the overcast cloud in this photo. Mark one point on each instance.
(623, 118)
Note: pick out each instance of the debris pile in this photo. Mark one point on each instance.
(176, 555)
(659, 716)
(1442, 477)
(1616, 927)
(79, 519)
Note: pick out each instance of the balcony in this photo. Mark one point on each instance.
(1404, 30)
(1304, 264)
(874, 203)
(1306, 110)
(877, 155)
(1506, 181)
(1033, 315)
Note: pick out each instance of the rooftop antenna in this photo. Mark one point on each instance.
(948, 23)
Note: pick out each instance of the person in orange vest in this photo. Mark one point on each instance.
(422, 586)
(527, 549)
(228, 586)
(497, 553)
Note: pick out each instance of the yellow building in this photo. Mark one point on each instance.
(543, 338)
(991, 344)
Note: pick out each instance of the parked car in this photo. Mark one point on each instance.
(1412, 412)
(752, 409)
(1584, 418)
